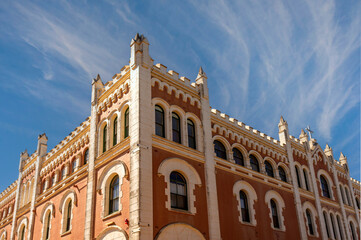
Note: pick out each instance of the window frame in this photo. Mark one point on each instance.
(325, 188)
(159, 125)
(191, 138)
(115, 131)
(238, 160)
(126, 123)
(113, 200)
(220, 150)
(254, 163)
(269, 169)
(176, 195)
(284, 174)
(246, 218)
(176, 123)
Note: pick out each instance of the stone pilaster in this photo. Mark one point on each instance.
(41, 152)
(23, 156)
(97, 86)
(285, 141)
(211, 184)
(140, 133)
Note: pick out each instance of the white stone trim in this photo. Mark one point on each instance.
(175, 164)
(350, 218)
(165, 106)
(49, 207)
(3, 235)
(329, 182)
(251, 197)
(23, 221)
(280, 207)
(68, 195)
(309, 206)
(305, 168)
(225, 143)
(107, 175)
(287, 171)
(114, 231)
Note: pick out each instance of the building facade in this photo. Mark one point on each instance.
(153, 161)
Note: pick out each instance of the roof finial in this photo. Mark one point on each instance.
(308, 129)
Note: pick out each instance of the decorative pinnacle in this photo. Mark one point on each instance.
(327, 147)
(201, 73)
(140, 38)
(342, 156)
(43, 135)
(282, 120)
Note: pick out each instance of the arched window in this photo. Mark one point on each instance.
(353, 233)
(333, 226)
(178, 191)
(220, 150)
(22, 233)
(238, 157)
(276, 223)
(115, 131)
(68, 216)
(126, 123)
(348, 196)
(339, 226)
(114, 195)
(191, 134)
(105, 138)
(244, 207)
(306, 179)
(326, 224)
(298, 177)
(63, 172)
(53, 180)
(282, 174)
(159, 121)
(86, 156)
(324, 186)
(309, 222)
(176, 128)
(43, 186)
(269, 169)
(73, 165)
(254, 163)
(47, 227)
(342, 194)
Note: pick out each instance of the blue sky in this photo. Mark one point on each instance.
(299, 59)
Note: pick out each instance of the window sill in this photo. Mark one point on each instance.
(65, 233)
(112, 215)
(181, 211)
(279, 229)
(249, 224)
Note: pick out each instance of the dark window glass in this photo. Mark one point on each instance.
(352, 231)
(298, 177)
(357, 203)
(333, 226)
(306, 179)
(159, 121)
(68, 216)
(191, 134)
(282, 174)
(339, 226)
(115, 131)
(126, 123)
(274, 210)
(86, 156)
(244, 207)
(176, 128)
(53, 180)
(114, 195)
(105, 138)
(22, 234)
(238, 157)
(342, 194)
(326, 224)
(43, 186)
(254, 163)
(348, 197)
(269, 169)
(220, 150)
(47, 227)
(178, 191)
(309, 222)
(325, 189)
(63, 173)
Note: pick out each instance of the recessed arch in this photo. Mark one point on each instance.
(252, 198)
(112, 233)
(177, 231)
